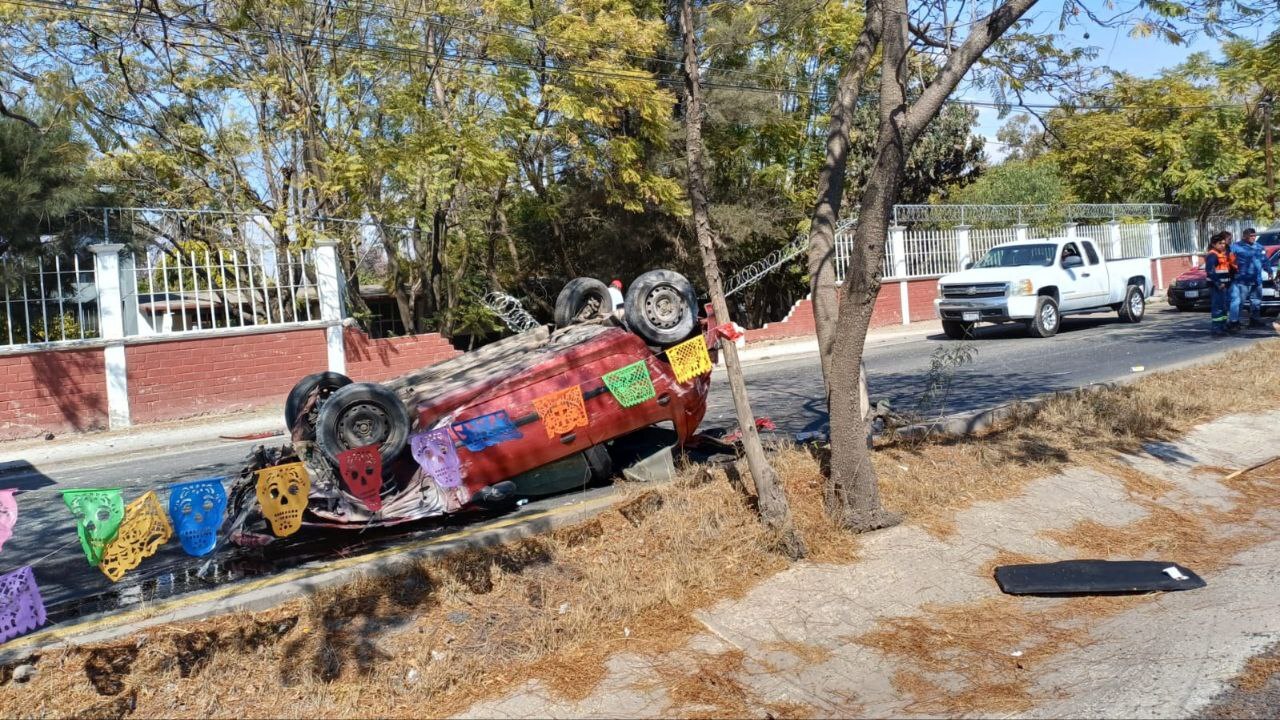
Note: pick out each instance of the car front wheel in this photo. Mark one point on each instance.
(1045, 323)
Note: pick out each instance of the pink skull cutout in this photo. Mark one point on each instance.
(8, 515)
(437, 456)
(361, 468)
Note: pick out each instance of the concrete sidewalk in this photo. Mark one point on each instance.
(918, 627)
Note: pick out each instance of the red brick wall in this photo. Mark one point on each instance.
(52, 391)
(182, 378)
(377, 360)
(887, 311)
(1172, 267)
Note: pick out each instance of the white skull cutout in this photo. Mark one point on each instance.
(282, 494)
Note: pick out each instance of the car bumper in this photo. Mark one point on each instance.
(998, 309)
(1189, 297)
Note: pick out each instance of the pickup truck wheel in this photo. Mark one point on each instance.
(582, 300)
(957, 330)
(1134, 305)
(1045, 323)
(325, 383)
(661, 307)
(359, 415)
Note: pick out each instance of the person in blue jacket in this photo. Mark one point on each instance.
(1252, 271)
(1219, 268)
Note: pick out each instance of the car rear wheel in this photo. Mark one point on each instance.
(582, 300)
(661, 307)
(359, 415)
(325, 383)
(1045, 323)
(957, 330)
(1134, 305)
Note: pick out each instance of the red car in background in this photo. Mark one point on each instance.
(1190, 291)
(328, 414)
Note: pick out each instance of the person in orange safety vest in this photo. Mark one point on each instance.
(1220, 269)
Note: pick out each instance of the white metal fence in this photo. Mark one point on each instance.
(48, 300)
(933, 252)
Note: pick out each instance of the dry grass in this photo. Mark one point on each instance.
(928, 481)
(476, 625)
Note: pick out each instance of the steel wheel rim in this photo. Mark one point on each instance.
(663, 307)
(363, 424)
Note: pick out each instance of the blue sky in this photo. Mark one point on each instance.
(1116, 50)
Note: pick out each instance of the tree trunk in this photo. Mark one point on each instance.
(852, 491)
(831, 176)
(774, 509)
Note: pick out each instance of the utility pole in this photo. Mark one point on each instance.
(1271, 178)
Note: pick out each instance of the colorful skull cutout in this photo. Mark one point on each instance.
(361, 468)
(8, 515)
(144, 529)
(282, 493)
(98, 513)
(197, 508)
(436, 455)
(21, 607)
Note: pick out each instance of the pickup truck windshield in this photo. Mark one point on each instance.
(1019, 256)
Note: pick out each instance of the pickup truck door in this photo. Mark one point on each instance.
(1083, 285)
(1094, 283)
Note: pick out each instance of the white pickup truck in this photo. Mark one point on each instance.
(1036, 282)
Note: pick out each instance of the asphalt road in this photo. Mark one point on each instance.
(1007, 365)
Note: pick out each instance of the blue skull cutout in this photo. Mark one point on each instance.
(197, 508)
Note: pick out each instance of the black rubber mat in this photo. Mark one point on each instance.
(1094, 577)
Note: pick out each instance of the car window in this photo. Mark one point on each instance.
(1093, 254)
(1070, 250)
(1018, 256)
(1269, 238)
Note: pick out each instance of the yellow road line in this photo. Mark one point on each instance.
(63, 633)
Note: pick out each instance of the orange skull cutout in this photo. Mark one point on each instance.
(282, 493)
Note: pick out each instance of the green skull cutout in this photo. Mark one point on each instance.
(98, 514)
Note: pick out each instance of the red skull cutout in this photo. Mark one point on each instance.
(361, 469)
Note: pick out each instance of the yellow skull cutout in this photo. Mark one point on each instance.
(282, 493)
(144, 529)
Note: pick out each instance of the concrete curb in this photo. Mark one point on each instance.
(267, 592)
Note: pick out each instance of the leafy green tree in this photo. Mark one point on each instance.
(1182, 137)
(1015, 182)
(43, 178)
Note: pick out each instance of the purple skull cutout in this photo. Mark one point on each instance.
(21, 607)
(8, 514)
(434, 451)
(197, 508)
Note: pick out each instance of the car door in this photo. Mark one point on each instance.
(1079, 286)
(1094, 277)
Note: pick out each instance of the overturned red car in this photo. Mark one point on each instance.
(484, 403)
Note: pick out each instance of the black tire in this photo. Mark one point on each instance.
(957, 330)
(661, 307)
(582, 300)
(1047, 320)
(326, 382)
(1134, 305)
(599, 462)
(363, 414)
